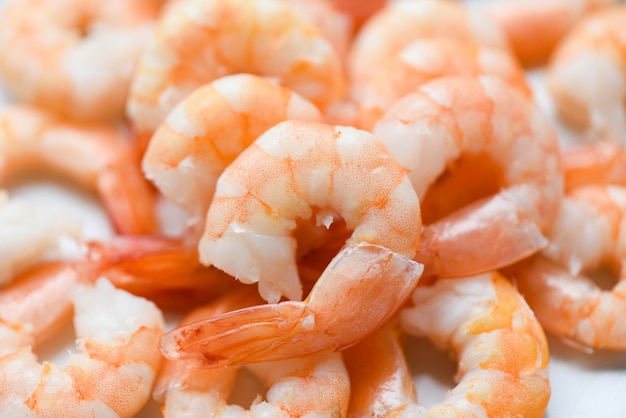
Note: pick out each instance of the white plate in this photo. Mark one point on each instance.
(583, 385)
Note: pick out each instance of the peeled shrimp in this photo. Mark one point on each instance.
(424, 60)
(110, 375)
(484, 161)
(28, 233)
(535, 27)
(209, 128)
(594, 163)
(73, 58)
(316, 384)
(585, 76)
(199, 41)
(94, 156)
(586, 237)
(399, 23)
(500, 347)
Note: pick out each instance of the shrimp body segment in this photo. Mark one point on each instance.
(587, 236)
(501, 349)
(206, 131)
(74, 59)
(485, 163)
(110, 375)
(297, 172)
(94, 156)
(196, 42)
(586, 78)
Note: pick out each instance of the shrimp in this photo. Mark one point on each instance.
(485, 163)
(316, 384)
(595, 163)
(535, 27)
(28, 233)
(585, 76)
(501, 349)
(424, 60)
(73, 58)
(209, 128)
(110, 375)
(586, 237)
(96, 157)
(399, 23)
(199, 41)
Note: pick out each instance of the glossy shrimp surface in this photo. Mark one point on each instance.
(209, 128)
(484, 160)
(110, 375)
(587, 236)
(97, 157)
(199, 41)
(585, 76)
(75, 59)
(500, 347)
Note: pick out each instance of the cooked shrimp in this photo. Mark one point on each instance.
(295, 172)
(484, 161)
(587, 236)
(501, 349)
(112, 373)
(29, 233)
(73, 58)
(424, 60)
(209, 128)
(359, 10)
(316, 384)
(401, 22)
(364, 285)
(534, 27)
(595, 163)
(94, 156)
(199, 41)
(585, 76)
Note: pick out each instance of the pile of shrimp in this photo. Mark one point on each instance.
(351, 176)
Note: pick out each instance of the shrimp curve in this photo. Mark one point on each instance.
(501, 349)
(204, 133)
(199, 41)
(111, 374)
(95, 156)
(485, 162)
(586, 236)
(75, 59)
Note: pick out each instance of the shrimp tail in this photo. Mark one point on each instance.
(161, 269)
(333, 317)
(473, 241)
(129, 198)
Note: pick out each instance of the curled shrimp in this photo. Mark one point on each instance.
(97, 157)
(199, 41)
(424, 60)
(535, 27)
(28, 233)
(295, 172)
(501, 349)
(315, 384)
(585, 75)
(206, 131)
(586, 237)
(399, 23)
(75, 59)
(112, 372)
(484, 161)
(594, 163)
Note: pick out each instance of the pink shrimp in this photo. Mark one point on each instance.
(484, 161)
(196, 42)
(595, 163)
(75, 59)
(209, 128)
(97, 157)
(585, 76)
(586, 236)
